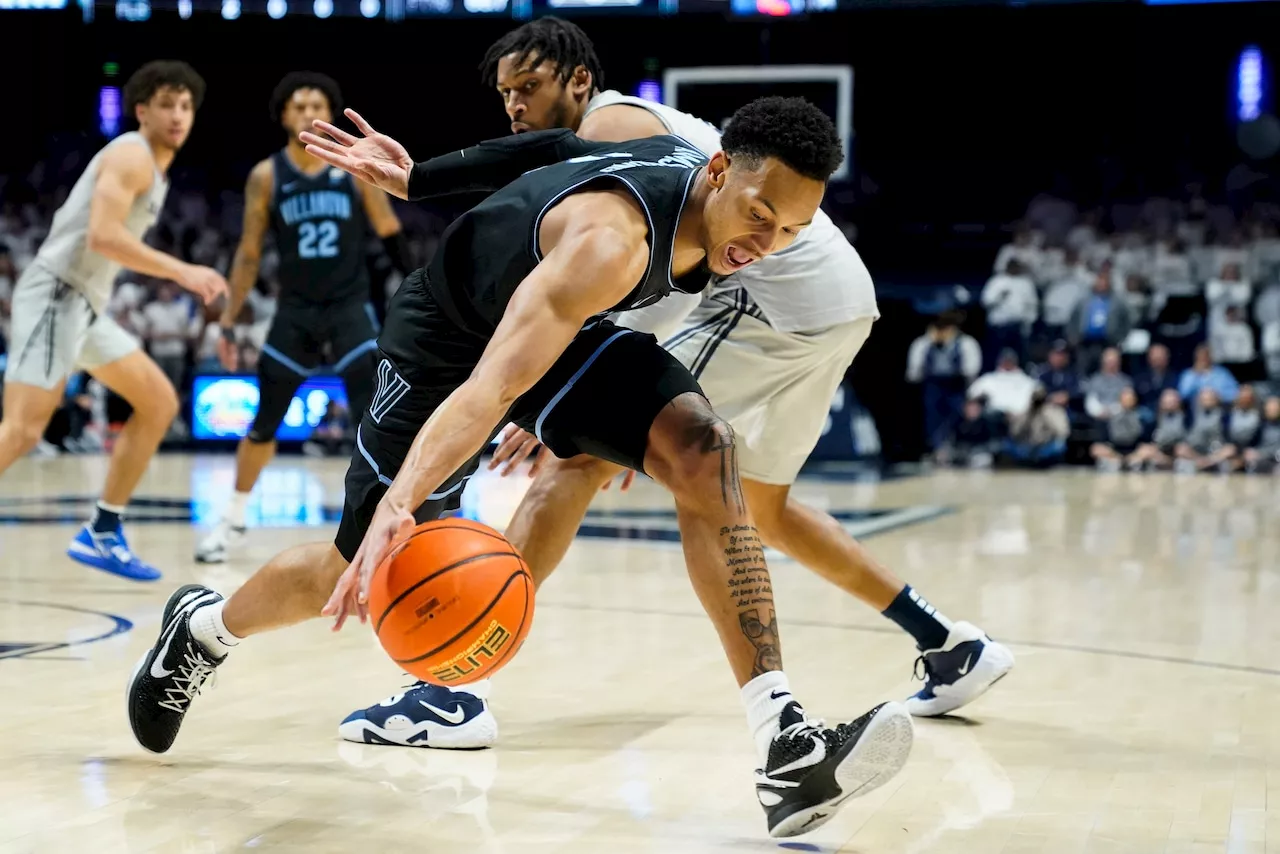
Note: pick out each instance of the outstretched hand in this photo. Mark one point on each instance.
(351, 594)
(374, 158)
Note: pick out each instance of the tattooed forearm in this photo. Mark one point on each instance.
(750, 586)
(730, 482)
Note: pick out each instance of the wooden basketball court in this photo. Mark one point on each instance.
(1143, 715)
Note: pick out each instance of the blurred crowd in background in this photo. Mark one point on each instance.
(1143, 337)
(1140, 336)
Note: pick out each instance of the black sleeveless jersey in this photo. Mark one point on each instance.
(320, 228)
(488, 251)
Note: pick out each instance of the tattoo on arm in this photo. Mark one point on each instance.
(752, 590)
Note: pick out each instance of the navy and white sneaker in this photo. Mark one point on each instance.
(425, 715)
(110, 553)
(169, 675)
(956, 675)
(812, 771)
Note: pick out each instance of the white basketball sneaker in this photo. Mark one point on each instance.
(956, 675)
(425, 715)
(215, 546)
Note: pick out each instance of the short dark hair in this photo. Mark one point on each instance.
(295, 80)
(790, 129)
(159, 74)
(549, 38)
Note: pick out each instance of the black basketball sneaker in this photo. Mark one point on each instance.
(813, 770)
(169, 675)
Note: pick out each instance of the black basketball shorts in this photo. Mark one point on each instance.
(294, 350)
(599, 398)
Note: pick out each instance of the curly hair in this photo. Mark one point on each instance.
(295, 80)
(550, 38)
(159, 74)
(790, 129)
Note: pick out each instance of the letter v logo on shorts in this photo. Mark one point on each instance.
(391, 387)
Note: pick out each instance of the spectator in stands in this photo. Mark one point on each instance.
(1064, 293)
(1234, 251)
(974, 440)
(1058, 377)
(1264, 258)
(1244, 421)
(1007, 389)
(1136, 294)
(1226, 290)
(1265, 453)
(1169, 432)
(1232, 342)
(1203, 373)
(1102, 390)
(1266, 308)
(1155, 377)
(166, 329)
(1271, 349)
(1206, 444)
(1023, 249)
(1134, 256)
(944, 361)
(1124, 431)
(1171, 272)
(1097, 322)
(1038, 436)
(1012, 307)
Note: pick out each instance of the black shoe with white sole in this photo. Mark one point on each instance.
(813, 770)
(169, 675)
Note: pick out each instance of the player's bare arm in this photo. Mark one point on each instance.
(619, 123)
(125, 173)
(248, 257)
(378, 210)
(594, 252)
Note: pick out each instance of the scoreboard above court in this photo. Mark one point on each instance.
(398, 10)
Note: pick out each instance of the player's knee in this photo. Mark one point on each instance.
(692, 452)
(160, 406)
(25, 433)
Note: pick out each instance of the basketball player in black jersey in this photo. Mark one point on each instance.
(507, 325)
(319, 217)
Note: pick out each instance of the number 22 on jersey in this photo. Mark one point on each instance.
(318, 239)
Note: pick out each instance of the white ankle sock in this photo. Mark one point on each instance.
(207, 628)
(234, 514)
(765, 697)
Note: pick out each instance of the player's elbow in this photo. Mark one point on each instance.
(101, 238)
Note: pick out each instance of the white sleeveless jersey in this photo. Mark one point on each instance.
(816, 282)
(65, 253)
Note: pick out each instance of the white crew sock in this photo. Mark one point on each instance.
(234, 514)
(765, 697)
(211, 633)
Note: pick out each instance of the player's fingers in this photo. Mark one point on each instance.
(342, 161)
(336, 132)
(527, 447)
(320, 142)
(508, 443)
(539, 460)
(359, 122)
(627, 480)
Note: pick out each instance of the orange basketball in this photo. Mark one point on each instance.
(452, 602)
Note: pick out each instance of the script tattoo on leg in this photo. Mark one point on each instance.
(752, 590)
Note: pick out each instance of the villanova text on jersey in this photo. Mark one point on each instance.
(320, 228)
(316, 204)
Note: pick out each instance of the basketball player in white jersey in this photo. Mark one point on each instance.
(59, 324)
(769, 346)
